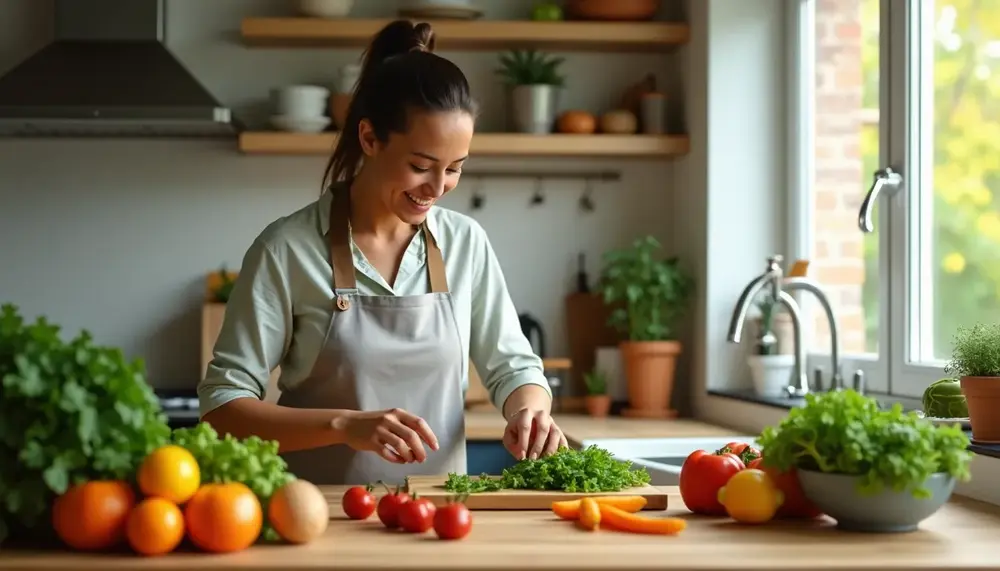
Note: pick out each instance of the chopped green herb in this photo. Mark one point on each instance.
(591, 470)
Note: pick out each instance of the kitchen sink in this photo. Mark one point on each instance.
(663, 457)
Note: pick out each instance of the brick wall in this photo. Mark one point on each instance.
(840, 182)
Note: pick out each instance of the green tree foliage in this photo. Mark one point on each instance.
(965, 234)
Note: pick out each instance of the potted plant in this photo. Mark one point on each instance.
(534, 80)
(650, 295)
(870, 468)
(771, 372)
(598, 400)
(975, 360)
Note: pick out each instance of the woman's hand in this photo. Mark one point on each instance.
(531, 433)
(393, 434)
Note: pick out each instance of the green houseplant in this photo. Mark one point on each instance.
(649, 295)
(533, 79)
(870, 468)
(975, 360)
(770, 371)
(598, 400)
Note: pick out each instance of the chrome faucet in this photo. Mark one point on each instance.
(773, 277)
(806, 284)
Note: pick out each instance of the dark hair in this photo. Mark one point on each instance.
(400, 74)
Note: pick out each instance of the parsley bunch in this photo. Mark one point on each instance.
(251, 461)
(844, 432)
(591, 470)
(70, 411)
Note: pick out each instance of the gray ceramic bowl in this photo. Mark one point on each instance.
(885, 512)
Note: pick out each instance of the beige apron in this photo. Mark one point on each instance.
(383, 352)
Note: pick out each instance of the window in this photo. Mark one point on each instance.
(913, 87)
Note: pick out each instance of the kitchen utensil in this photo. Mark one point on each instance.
(326, 8)
(432, 488)
(300, 124)
(582, 279)
(532, 328)
(301, 101)
(440, 9)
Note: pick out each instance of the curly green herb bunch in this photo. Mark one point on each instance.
(70, 411)
(844, 432)
(976, 351)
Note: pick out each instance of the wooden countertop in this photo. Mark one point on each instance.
(960, 536)
(489, 425)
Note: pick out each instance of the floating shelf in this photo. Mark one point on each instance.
(473, 35)
(490, 144)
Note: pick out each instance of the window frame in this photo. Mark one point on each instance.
(903, 142)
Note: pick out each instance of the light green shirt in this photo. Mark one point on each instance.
(280, 306)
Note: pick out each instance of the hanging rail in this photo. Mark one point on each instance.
(602, 176)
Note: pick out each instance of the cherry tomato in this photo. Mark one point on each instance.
(359, 502)
(702, 474)
(388, 506)
(795, 505)
(453, 520)
(417, 515)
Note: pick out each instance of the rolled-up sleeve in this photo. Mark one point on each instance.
(499, 349)
(255, 332)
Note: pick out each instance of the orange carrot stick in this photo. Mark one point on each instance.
(570, 509)
(635, 523)
(590, 514)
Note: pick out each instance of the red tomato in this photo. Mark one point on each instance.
(742, 450)
(388, 507)
(359, 502)
(702, 474)
(417, 515)
(452, 521)
(795, 505)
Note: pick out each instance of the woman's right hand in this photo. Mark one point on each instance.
(396, 435)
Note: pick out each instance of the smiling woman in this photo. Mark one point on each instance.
(372, 299)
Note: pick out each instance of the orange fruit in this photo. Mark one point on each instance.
(224, 517)
(169, 472)
(155, 527)
(91, 516)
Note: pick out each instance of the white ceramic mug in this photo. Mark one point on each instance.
(301, 101)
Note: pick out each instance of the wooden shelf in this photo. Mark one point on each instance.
(490, 144)
(473, 35)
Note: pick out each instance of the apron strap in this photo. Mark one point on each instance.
(342, 259)
(435, 263)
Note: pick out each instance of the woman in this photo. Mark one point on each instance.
(373, 367)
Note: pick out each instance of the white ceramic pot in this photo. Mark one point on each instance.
(301, 101)
(326, 8)
(771, 373)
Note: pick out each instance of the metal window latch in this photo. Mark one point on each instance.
(884, 179)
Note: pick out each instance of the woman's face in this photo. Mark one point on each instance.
(416, 168)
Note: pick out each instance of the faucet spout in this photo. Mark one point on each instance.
(785, 299)
(806, 284)
(771, 277)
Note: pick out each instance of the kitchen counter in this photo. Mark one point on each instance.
(488, 424)
(962, 535)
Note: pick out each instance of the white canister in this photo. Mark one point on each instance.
(347, 78)
(771, 374)
(609, 360)
(306, 101)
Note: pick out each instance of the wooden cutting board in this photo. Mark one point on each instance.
(432, 488)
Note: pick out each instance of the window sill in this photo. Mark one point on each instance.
(748, 395)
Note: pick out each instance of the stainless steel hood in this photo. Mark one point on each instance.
(108, 73)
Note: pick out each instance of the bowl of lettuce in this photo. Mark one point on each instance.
(870, 468)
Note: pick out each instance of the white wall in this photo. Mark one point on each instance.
(116, 236)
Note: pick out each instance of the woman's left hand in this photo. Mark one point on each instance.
(532, 434)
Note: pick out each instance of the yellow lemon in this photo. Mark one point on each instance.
(169, 472)
(750, 496)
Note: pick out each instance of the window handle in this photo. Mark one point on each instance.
(887, 179)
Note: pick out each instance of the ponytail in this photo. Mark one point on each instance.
(399, 73)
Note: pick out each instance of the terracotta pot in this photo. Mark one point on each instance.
(598, 405)
(339, 102)
(983, 397)
(649, 370)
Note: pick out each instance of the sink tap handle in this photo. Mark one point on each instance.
(859, 381)
(818, 379)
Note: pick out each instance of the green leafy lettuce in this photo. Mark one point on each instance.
(70, 411)
(590, 470)
(845, 432)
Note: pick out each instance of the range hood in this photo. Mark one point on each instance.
(108, 73)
